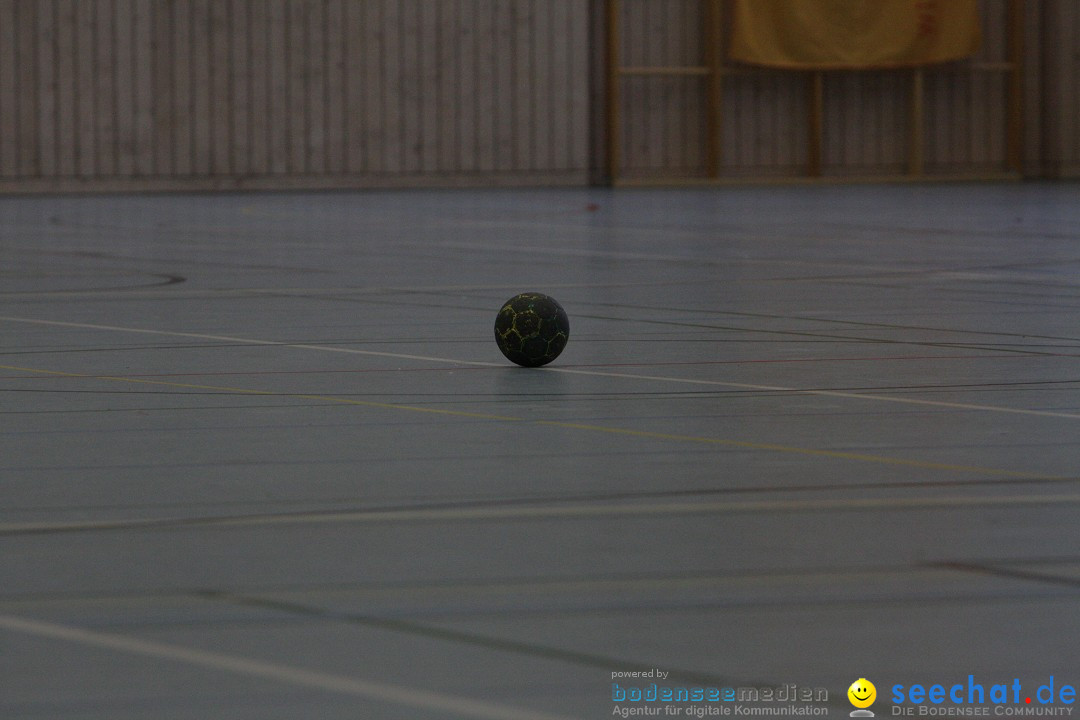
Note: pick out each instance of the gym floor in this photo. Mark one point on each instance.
(260, 456)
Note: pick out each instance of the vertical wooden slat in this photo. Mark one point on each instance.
(258, 144)
(296, 108)
(503, 89)
(104, 109)
(1070, 126)
(690, 92)
(899, 123)
(202, 110)
(869, 136)
(959, 112)
(916, 122)
(376, 84)
(85, 91)
(9, 73)
(428, 32)
(714, 89)
(394, 91)
(410, 86)
(984, 126)
(468, 117)
(547, 65)
(335, 89)
(445, 118)
(1058, 80)
(614, 95)
(520, 120)
(277, 67)
(633, 90)
(656, 90)
(315, 79)
(1071, 115)
(143, 75)
(358, 92)
(163, 58)
(746, 127)
(1014, 153)
(559, 87)
(124, 104)
(486, 109)
(815, 109)
(678, 95)
(576, 71)
(182, 100)
(29, 138)
(962, 111)
(938, 135)
(834, 147)
(653, 26)
(46, 117)
(239, 95)
(535, 30)
(67, 107)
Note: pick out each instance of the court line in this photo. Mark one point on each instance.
(567, 371)
(372, 690)
(554, 512)
(647, 434)
(251, 341)
(1008, 572)
(225, 390)
(825, 393)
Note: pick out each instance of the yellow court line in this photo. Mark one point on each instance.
(224, 389)
(773, 447)
(718, 507)
(863, 457)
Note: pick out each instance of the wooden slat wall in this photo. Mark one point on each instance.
(867, 124)
(1061, 102)
(354, 93)
(664, 116)
(292, 93)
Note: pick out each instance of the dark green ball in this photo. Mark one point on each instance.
(531, 329)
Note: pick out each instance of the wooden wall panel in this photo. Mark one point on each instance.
(9, 90)
(665, 115)
(292, 93)
(354, 93)
(869, 128)
(1060, 120)
(866, 123)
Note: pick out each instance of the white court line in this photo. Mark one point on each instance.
(369, 689)
(251, 341)
(567, 371)
(555, 512)
(826, 393)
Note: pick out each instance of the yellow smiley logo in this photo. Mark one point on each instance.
(862, 693)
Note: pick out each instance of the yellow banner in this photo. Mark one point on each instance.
(827, 34)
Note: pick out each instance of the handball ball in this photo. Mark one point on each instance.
(531, 329)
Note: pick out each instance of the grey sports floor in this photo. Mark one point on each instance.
(260, 456)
